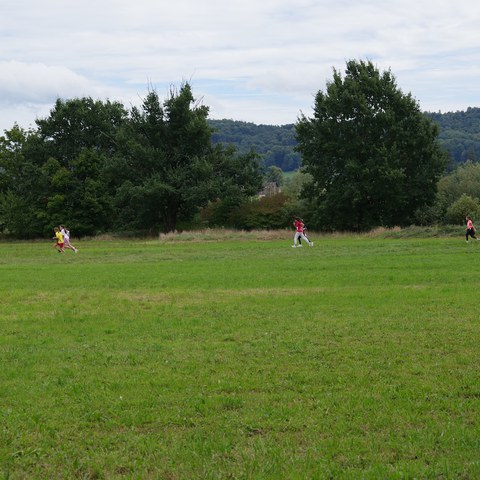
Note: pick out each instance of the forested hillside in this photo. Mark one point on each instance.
(459, 135)
(275, 144)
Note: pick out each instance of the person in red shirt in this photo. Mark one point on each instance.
(304, 233)
(299, 225)
(470, 229)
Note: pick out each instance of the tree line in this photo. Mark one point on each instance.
(368, 157)
(97, 167)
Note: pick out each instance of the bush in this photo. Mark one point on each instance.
(268, 212)
(465, 205)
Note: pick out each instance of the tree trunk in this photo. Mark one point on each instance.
(169, 217)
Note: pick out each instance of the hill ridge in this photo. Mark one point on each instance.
(459, 135)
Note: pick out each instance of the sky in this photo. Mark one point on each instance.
(259, 61)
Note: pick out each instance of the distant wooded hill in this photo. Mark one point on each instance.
(459, 135)
(274, 143)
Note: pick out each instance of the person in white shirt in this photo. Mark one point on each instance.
(66, 238)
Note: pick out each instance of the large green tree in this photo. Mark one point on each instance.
(373, 155)
(169, 168)
(73, 144)
(78, 124)
(23, 183)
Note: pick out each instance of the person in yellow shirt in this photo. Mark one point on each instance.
(59, 244)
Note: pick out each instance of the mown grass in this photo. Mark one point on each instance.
(240, 358)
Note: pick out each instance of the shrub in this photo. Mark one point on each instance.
(268, 212)
(465, 205)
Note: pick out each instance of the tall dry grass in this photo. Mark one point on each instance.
(221, 234)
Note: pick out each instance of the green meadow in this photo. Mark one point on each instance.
(240, 358)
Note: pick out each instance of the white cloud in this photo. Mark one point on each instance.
(250, 60)
(37, 83)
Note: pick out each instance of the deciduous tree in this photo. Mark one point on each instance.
(22, 187)
(373, 155)
(169, 166)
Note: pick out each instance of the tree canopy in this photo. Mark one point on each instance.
(98, 167)
(373, 156)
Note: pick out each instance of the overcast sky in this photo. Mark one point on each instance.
(260, 61)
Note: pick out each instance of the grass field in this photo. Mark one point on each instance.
(240, 358)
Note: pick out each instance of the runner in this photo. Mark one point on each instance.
(470, 229)
(59, 245)
(66, 238)
(299, 226)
